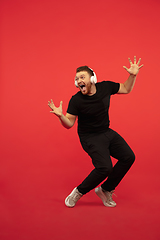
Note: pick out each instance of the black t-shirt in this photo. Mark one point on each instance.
(92, 111)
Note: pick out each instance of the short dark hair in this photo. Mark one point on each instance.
(85, 68)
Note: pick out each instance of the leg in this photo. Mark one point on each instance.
(120, 150)
(97, 146)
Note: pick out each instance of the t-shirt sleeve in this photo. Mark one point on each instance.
(72, 108)
(114, 87)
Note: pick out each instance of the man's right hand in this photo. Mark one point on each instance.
(68, 120)
(55, 110)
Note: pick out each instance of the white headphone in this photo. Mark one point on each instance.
(93, 78)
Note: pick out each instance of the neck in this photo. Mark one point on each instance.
(92, 90)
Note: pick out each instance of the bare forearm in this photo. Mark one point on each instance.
(65, 121)
(133, 71)
(129, 83)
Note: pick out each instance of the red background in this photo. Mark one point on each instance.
(41, 45)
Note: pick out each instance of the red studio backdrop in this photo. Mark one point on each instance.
(42, 42)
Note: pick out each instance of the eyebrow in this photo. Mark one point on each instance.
(80, 75)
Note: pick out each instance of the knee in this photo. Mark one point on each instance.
(128, 159)
(131, 157)
(104, 171)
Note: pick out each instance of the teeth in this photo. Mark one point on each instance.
(82, 85)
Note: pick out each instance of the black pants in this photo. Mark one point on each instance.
(100, 147)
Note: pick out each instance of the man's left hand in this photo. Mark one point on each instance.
(134, 67)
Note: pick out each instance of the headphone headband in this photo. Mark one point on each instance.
(93, 78)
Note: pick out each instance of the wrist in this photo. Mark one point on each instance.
(60, 116)
(133, 75)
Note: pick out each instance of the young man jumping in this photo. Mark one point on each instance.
(90, 105)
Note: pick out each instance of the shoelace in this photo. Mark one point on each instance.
(113, 193)
(76, 197)
(110, 195)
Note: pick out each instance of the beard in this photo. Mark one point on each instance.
(86, 89)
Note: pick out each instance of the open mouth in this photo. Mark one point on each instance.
(82, 86)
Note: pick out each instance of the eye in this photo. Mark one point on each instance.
(82, 77)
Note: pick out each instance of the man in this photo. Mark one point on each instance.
(91, 106)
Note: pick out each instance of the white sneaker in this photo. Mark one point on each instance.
(72, 199)
(106, 197)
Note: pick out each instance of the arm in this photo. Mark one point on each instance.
(128, 85)
(68, 120)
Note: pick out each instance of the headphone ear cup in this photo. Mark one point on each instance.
(76, 84)
(94, 79)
